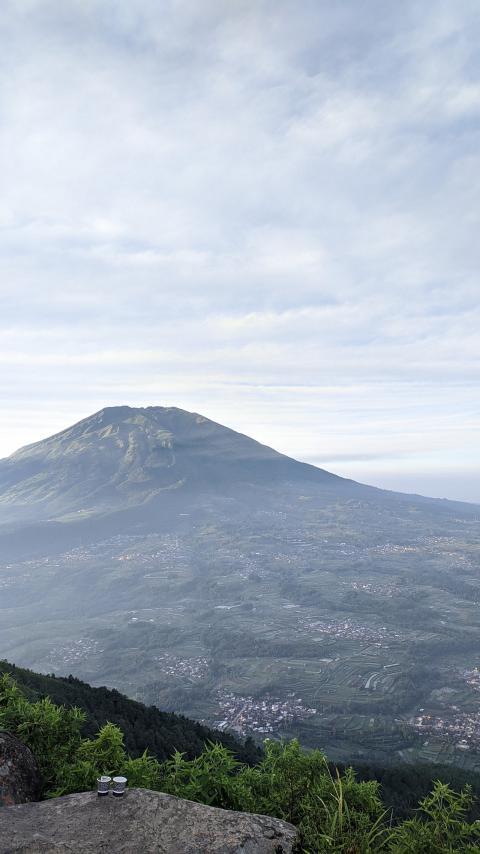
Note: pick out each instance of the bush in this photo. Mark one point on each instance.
(53, 733)
(440, 826)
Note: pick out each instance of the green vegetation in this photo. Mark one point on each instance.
(144, 727)
(333, 811)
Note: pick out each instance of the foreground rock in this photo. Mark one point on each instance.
(20, 780)
(142, 822)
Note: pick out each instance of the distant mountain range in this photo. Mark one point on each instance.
(163, 554)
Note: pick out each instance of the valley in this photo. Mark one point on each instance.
(348, 617)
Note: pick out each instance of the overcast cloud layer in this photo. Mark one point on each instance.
(267, 212)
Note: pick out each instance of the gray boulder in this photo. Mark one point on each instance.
(140, 822)
(20, 779)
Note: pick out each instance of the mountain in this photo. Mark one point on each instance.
(160, 553)
(121, 457)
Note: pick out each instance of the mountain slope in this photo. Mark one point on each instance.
(122, 457)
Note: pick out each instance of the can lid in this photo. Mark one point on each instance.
(103, 779)
(119, 779)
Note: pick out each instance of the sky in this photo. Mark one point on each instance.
(266, 211)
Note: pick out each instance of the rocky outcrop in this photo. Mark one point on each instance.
(141, 822)
(20, 779)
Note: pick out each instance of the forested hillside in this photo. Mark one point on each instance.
(144, 727)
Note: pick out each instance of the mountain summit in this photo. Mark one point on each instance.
(122, 457)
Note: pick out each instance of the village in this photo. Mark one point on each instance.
(73, 652)
(388, 590)
(350, 630)
(191, 668)
(460, 728)
(267, 715)
(472, 678)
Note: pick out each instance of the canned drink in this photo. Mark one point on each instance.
(103, 785)
(119, 784)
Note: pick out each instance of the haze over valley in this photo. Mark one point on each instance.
(193, 568)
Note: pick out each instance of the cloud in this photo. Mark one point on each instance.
(268, 213)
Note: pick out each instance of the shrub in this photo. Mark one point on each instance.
(53, 733)
(440, 826)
